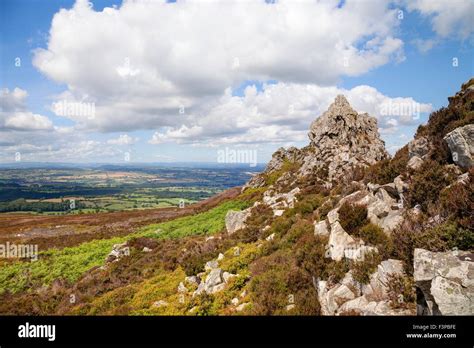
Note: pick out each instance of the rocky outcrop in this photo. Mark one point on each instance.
(341, 139)
(418, 147)
(280, 201)
(383, 209)
(445, 282)
(339, 240)
(461, 144)
(215, 281)
(118, 252)
(235, 220)
(350, 297)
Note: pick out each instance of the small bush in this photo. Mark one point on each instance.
(352, 217)
(385, 171)
(457, 203)
(373, 234)
(298, 229)
(361, 270)
(426, 185)
(401, 291)
(269, 284)
(412, 234)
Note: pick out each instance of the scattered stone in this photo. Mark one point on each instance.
(118, 251)
(235, 220)
(147, 250)
(235, 301)
(415, 163)
(461, 144)
(220, 257)
(280, 201)
(242, 306)
(215, 281)
(270, 237)
(160, 303)
(357, 252)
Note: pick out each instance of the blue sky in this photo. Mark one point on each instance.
(166, 65)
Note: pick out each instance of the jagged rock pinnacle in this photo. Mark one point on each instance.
(342, 139)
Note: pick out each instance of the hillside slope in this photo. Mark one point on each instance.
(335, 228)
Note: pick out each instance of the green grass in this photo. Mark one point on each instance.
(71, 263)
(206, 223)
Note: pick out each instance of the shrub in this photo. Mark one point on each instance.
(412, 234)
(457, 203)
(373, 234)
(401, 291)
(361, 270)
(454, 236)
(269, 284)
(386, 170)
(298, 229)
(310, 255)
(307, 204)
(352, 217)
(426, 185)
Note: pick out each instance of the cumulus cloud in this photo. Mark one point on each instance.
(142, 62)
(448, 18)
(283, 112)
(14, 114)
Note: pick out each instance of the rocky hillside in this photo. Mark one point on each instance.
(335, 228)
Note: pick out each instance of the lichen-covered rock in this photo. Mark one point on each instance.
(342, 139)
(446, 282)
(339, 240)
(415, 162)
(461, 145)
(280, 201)
(215, 281)
(235, 220)
(383, 210)
(418, 147)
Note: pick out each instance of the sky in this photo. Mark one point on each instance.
(157, 81)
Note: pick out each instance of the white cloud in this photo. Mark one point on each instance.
(448, 17)
(14, 114)
(141, 62)
(283, 112)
